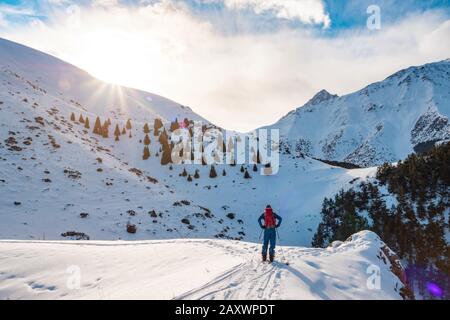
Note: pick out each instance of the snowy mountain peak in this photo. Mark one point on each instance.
(321, 96)
(427, 70)
(383, 122)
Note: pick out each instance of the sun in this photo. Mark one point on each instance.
(118, 58)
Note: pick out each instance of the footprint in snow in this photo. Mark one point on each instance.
(312, 264)
(340, 286)
(38, 287)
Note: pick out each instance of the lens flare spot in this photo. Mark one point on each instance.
(434, 289)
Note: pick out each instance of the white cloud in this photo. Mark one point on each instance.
(3, 22)
(12, 10)
(306, 11)
(105, 3)
(237, 81)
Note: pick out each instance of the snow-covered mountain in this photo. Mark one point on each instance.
(57, 176)
(68, 84)
(210, 269)
(383, 122)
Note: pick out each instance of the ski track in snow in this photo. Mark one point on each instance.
(253, 278)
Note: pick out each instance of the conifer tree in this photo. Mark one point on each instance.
(203, 156)
(184, 173)
(268, 169)
(197, 174)
(156, 126)
(212, 172)
(97, 126)
(72, 117)
(128, 125)
(147, 140)
(166, 156)
(247, 175)
(146, 153)
(105, 130)
(81, 120)
(189, 178)
(242, 169)
(257, 157)
(86, 123)
(146, 129)
(124, 131)
(224, 173)
(174, 125)
(255, 168)
(117, 132)
(163, 138)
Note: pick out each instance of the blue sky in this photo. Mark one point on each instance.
(344, 15)
(352, 14)
(240, 63)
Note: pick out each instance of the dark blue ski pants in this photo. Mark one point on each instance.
(270, 237)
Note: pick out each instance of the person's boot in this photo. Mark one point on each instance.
(271, 257)
(264, 257)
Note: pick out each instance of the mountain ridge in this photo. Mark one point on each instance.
(382, 122)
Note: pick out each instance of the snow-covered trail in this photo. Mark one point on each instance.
(253, 279)
(190, 269)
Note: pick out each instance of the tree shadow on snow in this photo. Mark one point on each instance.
(316, 288)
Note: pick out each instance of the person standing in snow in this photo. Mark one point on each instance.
(271, 222)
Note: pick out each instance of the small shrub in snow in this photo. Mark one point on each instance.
(131, 228)
(231, 216)
(75, 235)
(131, 212)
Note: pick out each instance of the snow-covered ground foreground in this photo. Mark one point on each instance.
(194, 269)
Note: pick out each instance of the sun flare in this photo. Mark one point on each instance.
(118, 58)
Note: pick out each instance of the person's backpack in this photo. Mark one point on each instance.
(269, 218)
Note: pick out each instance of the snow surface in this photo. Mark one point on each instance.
(192, 269)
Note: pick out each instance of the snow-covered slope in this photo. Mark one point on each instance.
(383, 122)
(196, 269)
(80, 90)
(53, 171)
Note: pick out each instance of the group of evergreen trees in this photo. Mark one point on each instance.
(416, 226)
(166, 147)
(103, 129)
(163, 139)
